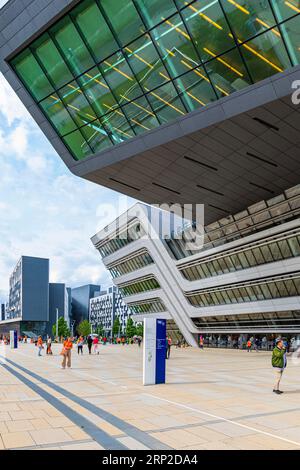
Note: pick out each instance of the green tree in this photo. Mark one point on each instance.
(130, 328)
(100, 330)
(63, 329)
(139, 329)
(84, 328)
(116, 327)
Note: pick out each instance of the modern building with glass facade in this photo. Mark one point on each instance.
(244, 279)
(177, 101)
(163, 100)
(28, 305)
(106, 308)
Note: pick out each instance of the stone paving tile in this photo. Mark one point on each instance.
(50, 436)
(83, 446)
(22, 415)
(132, 444)
(19, 425)
(14, 440)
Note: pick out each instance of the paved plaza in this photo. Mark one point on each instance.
(213, 399)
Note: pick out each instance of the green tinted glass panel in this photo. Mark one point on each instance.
(141, 116)
(175, 45)
(285, 9)
(208, 26)
(120, 78)
(117, 126)
(58, 114)
(72, 46)
(78, 145)
(97, 92)
(153, 11)
(124, 18)
(146, 64)
(166, 103)
(195, 89)
(265, 55)
(76, 103)
(96, 136)
(109, 70)
(227, 73)
(248, 18)
(95, 30)
(32, 75)
(290, 30)
(52, 61)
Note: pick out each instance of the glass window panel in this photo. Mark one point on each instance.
(290, 31)
(76, 103)
(52, 61)
(95, 30)
(208, 27)
(175, 46)
(266, 291)
(267, 253)
(236, 262)
(97, 92)
(120, 78)
(276, 254)
(195, 89)
(223, 265)
(227, 74)
(294, 246)
(243, 260)
(258, 256)
(141, 116)
(257, 292)
(251, 293)
(154, 10)
(32, 75)
(58, 115)
(282, 291)
(124, 18)
(96, 136)
(146, 63)
(248, 17)
(232, 295)
(166, 103)
(117, 126)
(265, 55)
(78, 145)
(273, 289)
(285, 249)
(297, 284)
(285, 9)
(72, 46)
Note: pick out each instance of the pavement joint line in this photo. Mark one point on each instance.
(96, 433)
(55, 444)
(122, 425)
(223, 419)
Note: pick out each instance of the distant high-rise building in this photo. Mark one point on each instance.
(28, 305)
(81, 301)
(106, 307)
(58, 303)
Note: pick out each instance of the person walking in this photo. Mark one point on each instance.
(249, 344)
(80, 343)
(66, 353)
(49, 347)
(40, 345)
(139, 340)
(90, 343)
(279, 363)
(96, 344)
(201, 342)
(168, 347)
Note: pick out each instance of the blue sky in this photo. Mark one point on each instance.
(45, 210)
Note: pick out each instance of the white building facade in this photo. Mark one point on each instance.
(243, 281)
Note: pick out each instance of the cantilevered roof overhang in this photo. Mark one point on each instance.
(234, 152)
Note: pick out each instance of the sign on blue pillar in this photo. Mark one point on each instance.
(154, 362)
(13, 339)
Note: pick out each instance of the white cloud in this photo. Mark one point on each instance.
(44, 210)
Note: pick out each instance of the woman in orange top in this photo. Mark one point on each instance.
(66, 352)
(40, 345)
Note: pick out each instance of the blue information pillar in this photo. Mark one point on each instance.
(154, 363)
(13, 339)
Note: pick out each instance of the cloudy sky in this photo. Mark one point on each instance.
(45, 211)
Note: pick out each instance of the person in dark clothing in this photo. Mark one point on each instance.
(90, 344)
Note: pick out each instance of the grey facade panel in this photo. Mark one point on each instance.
(35, 289)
